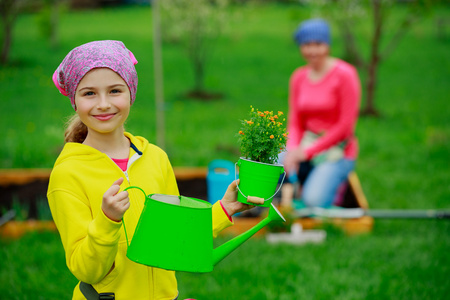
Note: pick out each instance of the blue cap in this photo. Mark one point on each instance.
(313, 30)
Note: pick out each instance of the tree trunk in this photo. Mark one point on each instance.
(159, 75)
(8, 13)
(198, 74)
(54, 20)
(197, 50)
(370, 109)
(351, 53)
(7, 39)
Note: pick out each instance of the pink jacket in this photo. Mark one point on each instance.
(328, 107)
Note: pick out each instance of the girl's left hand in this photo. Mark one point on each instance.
(230, 203)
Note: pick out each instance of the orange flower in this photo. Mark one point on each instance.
(284, 134)
(272, 136)
(280, 113)
(262, 115)
(249, 122)
(275, 117)
(241, 132)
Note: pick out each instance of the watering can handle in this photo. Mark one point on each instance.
(235, 178)
(123, 218)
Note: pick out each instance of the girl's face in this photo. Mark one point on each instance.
(103, 101)
(315, 53)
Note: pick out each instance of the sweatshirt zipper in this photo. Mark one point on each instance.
(126, 176)
(132, 160)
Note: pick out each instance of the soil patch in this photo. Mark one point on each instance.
(32, 196)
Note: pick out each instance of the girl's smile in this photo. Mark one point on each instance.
(104, 117)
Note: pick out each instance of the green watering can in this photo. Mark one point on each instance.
(175, 233)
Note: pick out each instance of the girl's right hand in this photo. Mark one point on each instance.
(115, 204)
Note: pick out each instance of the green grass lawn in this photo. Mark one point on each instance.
(398, 260)
(403, 159)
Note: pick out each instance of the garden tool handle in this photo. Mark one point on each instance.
(123, 218)
(235, 178)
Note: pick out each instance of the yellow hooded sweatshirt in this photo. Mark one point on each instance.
(96, 246)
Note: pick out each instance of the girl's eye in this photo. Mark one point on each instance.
(115, 91)
(88, 93)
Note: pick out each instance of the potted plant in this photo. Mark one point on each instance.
(262, 137)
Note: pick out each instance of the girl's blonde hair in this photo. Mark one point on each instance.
(76, 131)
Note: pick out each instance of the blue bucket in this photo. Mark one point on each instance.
(220, 175)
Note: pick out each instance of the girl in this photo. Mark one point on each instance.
(324, 100)
(99, 160)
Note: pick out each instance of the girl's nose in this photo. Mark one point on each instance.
(103, 103)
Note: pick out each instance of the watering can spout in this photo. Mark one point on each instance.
(224, 250)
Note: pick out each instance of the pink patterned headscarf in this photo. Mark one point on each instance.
(99, 54)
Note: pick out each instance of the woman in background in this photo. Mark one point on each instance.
(324, 98)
